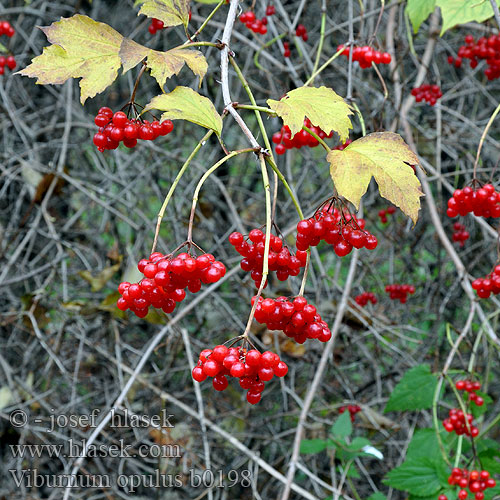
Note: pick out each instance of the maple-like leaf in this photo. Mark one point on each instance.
(418, 11)
(184, 103)
(387, 158)
(82, 48)
(322, 106)
(163, 65)
(171, 12)
(456, 12)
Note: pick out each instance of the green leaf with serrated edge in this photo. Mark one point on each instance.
(171, 12)
(424, 443)
(323, 107)
(417, 476)
(342, 426)
(163, 65)
(3, 49)
(456, 12)
(97, 65)
(312, 445)
(377, 496)
(418, 11)
(414, 391)
(184, 103)
(387, 158)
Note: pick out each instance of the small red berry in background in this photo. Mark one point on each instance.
(399, 292)
(384, 213)
(460, 235)
(427, 92)
(482, 202)
(352, 409)
(365, 55)
(6, 29)
(365, 297)
(286, 50)
(301, 32)
(258, 26)
(270, 10)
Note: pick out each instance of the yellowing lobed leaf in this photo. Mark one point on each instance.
(171, 12)
(163, 65)
(464, 11)
(184, 103)
(322, 106)
(83, 48)
(418, 11)
(384, 156)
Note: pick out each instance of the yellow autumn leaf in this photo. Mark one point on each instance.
(184, 103)
(163, 65)
(322, 106)
(387, 158)
(97, 65)
(171, 12)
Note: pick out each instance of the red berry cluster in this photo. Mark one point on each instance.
(270, 10)
(341, 147)
(165, 280)
(400, 292)
(475, 481)
(352, 409)
(280, 259)
(251, 368)
(297, 319)
(471, 387)
(9, 61)
(301, 32)
(365, 297)
(156, 25)
(483, 202)
(489, 284)
(342, 231)
(7, 29)
(460, 235)
(284, 140)
(427, 92)
(116, 127)
(286, 53)
(366, 55)
(456, 423)
(485, 48)
(384, 213)
(258, 26)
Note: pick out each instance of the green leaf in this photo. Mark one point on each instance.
(322, 106)
(312, 445)
(171, 12)
(342, 426)
(377, 496)
(456, 12)
(418, 11)
(414, 391)
(163, 65)
(97, 65)
(387, 158)
(184, 103)
(417, 476)
(424, 443)
(3, 48)
(358, 443)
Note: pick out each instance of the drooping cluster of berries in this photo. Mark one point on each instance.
(399, 292)
(166, 279)
(252, 369)
(116, 127)
(341, 230)
(296, 318)
(427, 92)
(366, 55)
(286, 53)
(365, 297)
(7, 29)
(156, 25)
(482, 202)
(280, 259)
(460, 235)
(301, 32)
(456, 423)
(352, 409)
(284, 140)
(487, 49)
(9, 61)
(488, 285)
(258, 26)
(384, 213)
(471, 387)
(475, 481)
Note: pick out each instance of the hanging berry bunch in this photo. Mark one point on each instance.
(384, 213)
(352, 409)
(366, 55)
(338, 227)
(488, 285)
(301, 32)
(482, 202)
(365, 297)
(460, 235)
(258, 26)
(284, 140)
(475, 481)
(7, 61)
(399, 292)
(456, 422)
(471, 387)
(427, 92)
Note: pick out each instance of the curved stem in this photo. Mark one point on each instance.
(318, 71)
(483, 137)
(207, 20)
(321, 39)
